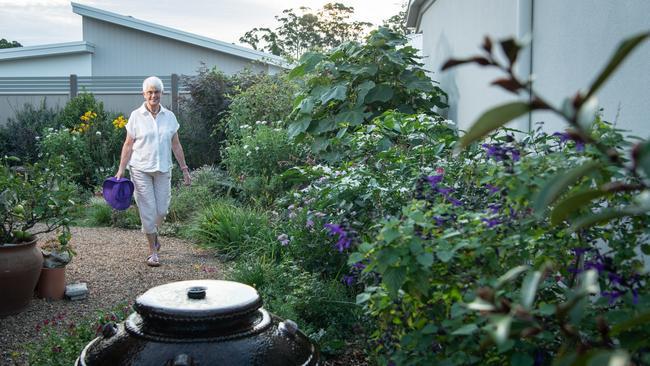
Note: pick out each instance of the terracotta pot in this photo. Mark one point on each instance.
(51, 284)
(20, 267)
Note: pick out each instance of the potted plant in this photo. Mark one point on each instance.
(57, 253)
(34, 199)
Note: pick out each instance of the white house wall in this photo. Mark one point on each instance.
(127, 51)
(573, 41)
(455, 29)
(62, 65)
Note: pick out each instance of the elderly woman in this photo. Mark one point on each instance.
(151, 136)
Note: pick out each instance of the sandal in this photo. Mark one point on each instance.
(153, 261)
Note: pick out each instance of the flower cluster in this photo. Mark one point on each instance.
(119, 122)
(86, 121)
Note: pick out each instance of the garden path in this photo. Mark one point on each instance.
(112, 262)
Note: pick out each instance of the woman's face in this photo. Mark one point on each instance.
(152, 97)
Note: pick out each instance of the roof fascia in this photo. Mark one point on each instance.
(54, 49)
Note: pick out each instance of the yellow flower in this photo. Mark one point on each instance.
(119, 122)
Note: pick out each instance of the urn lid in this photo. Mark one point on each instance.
(198, 300)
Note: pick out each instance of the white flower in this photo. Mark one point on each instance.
(245, 147)
(98, 133)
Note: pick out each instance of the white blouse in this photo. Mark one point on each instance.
(152, 147)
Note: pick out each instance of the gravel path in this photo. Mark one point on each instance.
(111, 262)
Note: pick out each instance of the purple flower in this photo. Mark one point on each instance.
(434, 180)
(454, 201)
(359, 266)
(615, 278)
(344, 241)
(284, 239)
(494, 207)
(492, 188)
(564, 137)
(491, 222)
(611, 295)
(309, 224)
(597, 265)
(515, 154)
(444, 191)
(348, 280)
(439, 220)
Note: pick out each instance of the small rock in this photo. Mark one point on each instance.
(76, 290)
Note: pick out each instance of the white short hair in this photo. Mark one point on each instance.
(153, 81)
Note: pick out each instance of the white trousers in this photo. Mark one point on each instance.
(152, 195)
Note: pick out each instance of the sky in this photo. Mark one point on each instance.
(38, 22)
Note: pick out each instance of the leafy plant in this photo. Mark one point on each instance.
(31, 194)
(579, 112)
(353, 84)
(233, 230)
(61, 341)
(20, 136)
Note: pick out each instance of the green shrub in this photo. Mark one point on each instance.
(61, 341)
(269, 99)
(88, 138)
(189, 201)
(257, 160)
(234, 230)
(19, 137)
(98, 213)
(202, 130)
(216, 180)
(323, 309)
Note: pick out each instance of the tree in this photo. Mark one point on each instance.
(299, 33)
(397, 23)
(9, 44)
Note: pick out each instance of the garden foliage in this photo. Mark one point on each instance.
(355, 83)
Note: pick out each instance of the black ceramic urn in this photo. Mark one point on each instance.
(205, 323)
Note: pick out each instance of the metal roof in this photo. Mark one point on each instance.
(159, 30)
(54, 49)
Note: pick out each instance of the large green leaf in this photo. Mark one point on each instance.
(394, 278)
(299, 126)
(306, 105)
(573, 203)
(307, 63)
(337, 92)
(493, 119)
(381, 93)
(324, 125)
(637, 321)
(607, 215)
(354, 117)
(529, 288)
(559, 183)
(362, 91)
(621, 53)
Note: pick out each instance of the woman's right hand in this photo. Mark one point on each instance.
(119, 174)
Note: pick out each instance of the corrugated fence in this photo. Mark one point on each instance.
(119, 94)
